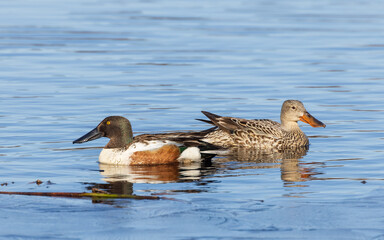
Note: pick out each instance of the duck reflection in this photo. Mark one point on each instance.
(120, 179)
(117, 187)
(139, 174)
(288, 161)
(156, 173)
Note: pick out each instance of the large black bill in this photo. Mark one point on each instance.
(92, 135)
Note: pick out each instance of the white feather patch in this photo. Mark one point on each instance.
(191, 153)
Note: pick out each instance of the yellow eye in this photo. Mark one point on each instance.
(108, 122)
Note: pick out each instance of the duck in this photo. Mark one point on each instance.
(262, 134)
(145, 149)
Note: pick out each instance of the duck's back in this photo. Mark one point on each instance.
(260, 133)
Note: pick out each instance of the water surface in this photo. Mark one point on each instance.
(67, 65)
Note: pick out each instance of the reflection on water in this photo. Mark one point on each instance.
(140, 174)
(183, 172)
(263, 156)
(117, 187)
(121, 178)
(292, 170)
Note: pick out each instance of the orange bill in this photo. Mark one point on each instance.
(308, 118)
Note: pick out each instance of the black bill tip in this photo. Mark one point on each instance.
(92, 135)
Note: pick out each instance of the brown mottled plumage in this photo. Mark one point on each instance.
(263, 133)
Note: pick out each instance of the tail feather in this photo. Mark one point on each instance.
(224, 123)
(211, 116)
(206, 121)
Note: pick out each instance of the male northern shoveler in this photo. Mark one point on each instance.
(146, 149)
(263, 133)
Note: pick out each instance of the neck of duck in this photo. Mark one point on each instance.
(290, 126)
(294, 133)
(120, 139)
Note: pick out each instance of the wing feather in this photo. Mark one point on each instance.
(239, 126)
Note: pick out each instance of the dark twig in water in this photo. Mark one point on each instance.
(84, 195)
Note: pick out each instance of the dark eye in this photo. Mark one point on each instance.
(293, 107)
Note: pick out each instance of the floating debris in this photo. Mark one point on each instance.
(38, 182)
(96, 193)
(6, 184)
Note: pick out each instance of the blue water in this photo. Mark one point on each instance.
(66, 65)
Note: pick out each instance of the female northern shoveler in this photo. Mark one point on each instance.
(263, 133)
(146, 149)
